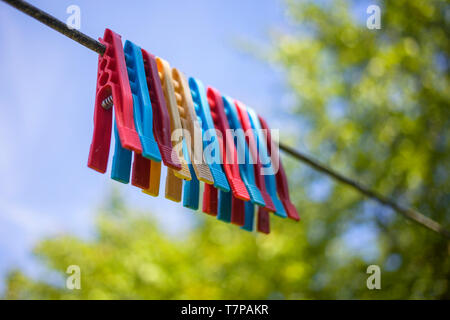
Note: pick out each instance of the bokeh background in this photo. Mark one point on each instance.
(373, 104)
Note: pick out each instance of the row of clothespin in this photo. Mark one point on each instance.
(151, 101)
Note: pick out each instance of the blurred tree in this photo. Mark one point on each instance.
(376, 105)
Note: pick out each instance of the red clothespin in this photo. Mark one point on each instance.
(229, 153)
(113, 88)
(250, 138)
(161, 118)
(282, 184)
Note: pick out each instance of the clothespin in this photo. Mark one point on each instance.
(263, 220)
(113, 88)
(143, 119)
(161, 125)
(269, 175)
(213, 155)
(174, 179)
(236, 212)
(190, 124)
(245, 165)
(249, 216)
(228, 150)
(251, 143)
(282, 183)
(201, 106)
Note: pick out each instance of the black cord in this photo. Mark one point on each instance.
(96, 46)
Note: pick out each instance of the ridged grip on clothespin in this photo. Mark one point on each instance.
(113, 88)
(189, 122)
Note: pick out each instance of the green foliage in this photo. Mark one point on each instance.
(376, 103)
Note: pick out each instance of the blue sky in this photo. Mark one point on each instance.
(47, 97)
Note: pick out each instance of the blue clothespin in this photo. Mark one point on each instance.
(143, 116)
(121, 163)
(249, 216)
(201, 105)
(224, 206)
(246, 168)
(271, 184)
(191, 189)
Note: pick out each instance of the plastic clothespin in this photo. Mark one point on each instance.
(236, 212)
(263, 221)
(211, 146)
(161, 118)
(269, 176)
(113, 88)
(143, 119)
(245, 166)
(174, 179)
(282, 183)
(251, 143)
(190, 123)
(161, 125)
(201, 106)
(249, 216)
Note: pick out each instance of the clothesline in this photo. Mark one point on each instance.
(98, 47)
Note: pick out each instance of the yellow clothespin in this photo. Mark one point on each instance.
(189, 121)
(174, 182)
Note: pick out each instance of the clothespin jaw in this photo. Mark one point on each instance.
(228, 150)
(154, 179)
(245, 166)
(249, 216)
(263, 221)
(190, 123)
(201, 106)
(224, 206)
(281, 178)
(161, 118)
(165, 76)
(269, 175)
(113, 88)
(121, 162)
(191, 189)
(238, 211)
(210, 200)
(251, 143)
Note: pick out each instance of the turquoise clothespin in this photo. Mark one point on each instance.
(143, 116)
(143, 113)
(201, 105)
(271, 184)
(121, 163)
(191, 189)
(246, 168)
(224, 206)
(249, 216)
